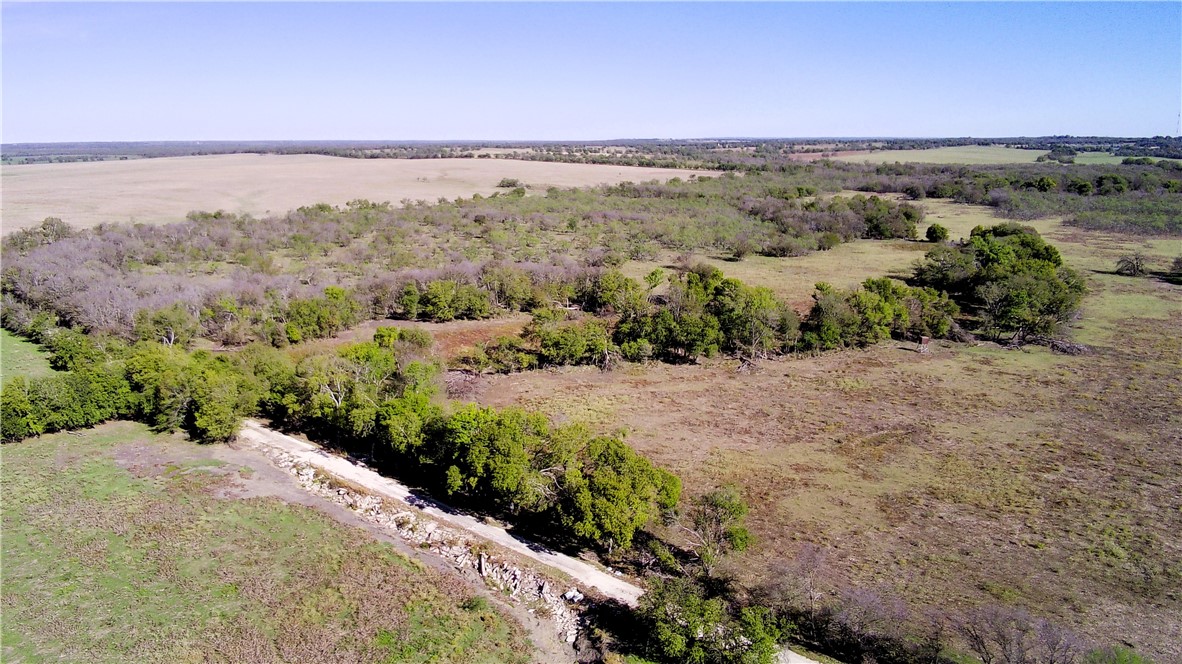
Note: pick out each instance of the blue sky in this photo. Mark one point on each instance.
(236, 71)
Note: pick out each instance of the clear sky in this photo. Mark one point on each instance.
(236, 71)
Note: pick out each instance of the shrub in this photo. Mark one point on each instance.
(417, 337)
(509, 354)
(1131, 265)
(637, 350)
(579, 343)
(1116, 655)
(937, 233)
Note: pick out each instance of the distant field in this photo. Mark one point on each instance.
(165, 190)
(964, 154)
(121, 545)
(844, 266)
(20, 357)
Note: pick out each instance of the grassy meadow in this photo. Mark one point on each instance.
(972, 155)
(122, 545)
(969, 475)
(961, 154)
(19, 357)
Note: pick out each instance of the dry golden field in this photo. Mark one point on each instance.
(165, 190)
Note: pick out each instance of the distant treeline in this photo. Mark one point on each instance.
(710, 153)
(242, 279)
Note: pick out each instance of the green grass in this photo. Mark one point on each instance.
(1103, 158)
(106, 564)
(21, 357)
(845, 266)
(1097, 158)
(974, 154)
(963, 154)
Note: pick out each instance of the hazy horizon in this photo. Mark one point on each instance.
(491, 72)
(491, 141)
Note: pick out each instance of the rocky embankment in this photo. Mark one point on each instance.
(541, 595)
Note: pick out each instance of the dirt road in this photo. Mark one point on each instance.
(582, 572)
(608, 584)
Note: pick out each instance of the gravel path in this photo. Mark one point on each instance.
(608, 584)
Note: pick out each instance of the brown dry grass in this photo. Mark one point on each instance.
(970, 475)
(165, 190)
(452, 339)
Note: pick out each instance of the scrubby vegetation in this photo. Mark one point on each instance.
(1015, 280)
(374, 398)
(194, 326)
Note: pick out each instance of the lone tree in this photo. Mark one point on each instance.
(717, 526)
(937, 233)
(1131, 265)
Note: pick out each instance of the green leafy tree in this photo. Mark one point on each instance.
(222, 397)
(586, 342)
(831, 322)
(654, 278)
(507, 355)
(403, 423)
(17, 415)
(71, 350)
(612, 292)
(612, 492)
(511, 288)
(753, 322)
(170, 326)
(1030, 304)
(386, 336)
(686, 625)
(488, 455)
(936, 233)
(716, 525)
(317, 318)
(408, 302)
(165, 377)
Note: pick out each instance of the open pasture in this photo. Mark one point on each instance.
(125, 546)
(967, 476)
(844, 266)
(164, 190)
(961, 154)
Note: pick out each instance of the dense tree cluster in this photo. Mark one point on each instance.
(1014, 280)
(1138, 197)
(703, 313)
(105, 378)
(879, 310)
(377, 398)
